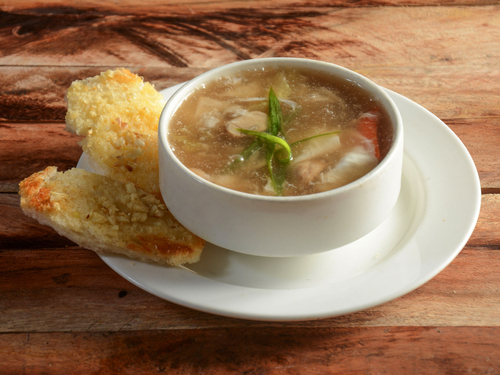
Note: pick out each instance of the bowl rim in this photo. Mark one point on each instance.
(187, 88)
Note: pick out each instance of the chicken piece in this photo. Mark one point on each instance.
(234, 111)
(253, 120)
(206, 104)
(307, 171)
(317, 147)
(210, 119)
(353, 165)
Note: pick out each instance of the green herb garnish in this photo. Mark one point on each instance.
(275, 115)
(314, 136)
(271, 140)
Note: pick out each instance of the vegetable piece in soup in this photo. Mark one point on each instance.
(280, 132)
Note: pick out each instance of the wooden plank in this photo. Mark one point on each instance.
(482, 137)
(451, 93)
(415, 37)
(289, 350)
(134, 6)
(29, 148)
(73, 290)
(18, 231)
(453, 81)
(37, 93)
(487, 231)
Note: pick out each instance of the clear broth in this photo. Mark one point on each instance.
(203, 134)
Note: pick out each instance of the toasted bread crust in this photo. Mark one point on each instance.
(118, 113)
(108, 216)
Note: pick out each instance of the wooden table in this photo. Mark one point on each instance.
(64, 311)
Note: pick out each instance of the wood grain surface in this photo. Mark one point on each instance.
(281, 350)
(63, 310)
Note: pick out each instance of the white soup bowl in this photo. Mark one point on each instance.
(280, 226)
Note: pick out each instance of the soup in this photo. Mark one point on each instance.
(275, 131)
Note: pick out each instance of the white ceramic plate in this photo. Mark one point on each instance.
(435, 215)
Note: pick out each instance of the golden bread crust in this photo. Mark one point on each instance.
(118, 113)
(108, 216)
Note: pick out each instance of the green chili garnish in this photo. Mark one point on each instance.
(271, 140)
(277, 171)
(274, 116)
(314, 136)
(269, 163)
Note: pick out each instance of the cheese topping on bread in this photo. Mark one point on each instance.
(118, 113)
(108, 216)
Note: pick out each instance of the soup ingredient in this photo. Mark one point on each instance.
(275, 115)
(316, 146)
(353, 165)
(307, 171)
(117, 113)
(108, 216)
(253, 120)
(367, 126)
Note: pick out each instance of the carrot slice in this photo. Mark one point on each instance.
(367, 126)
